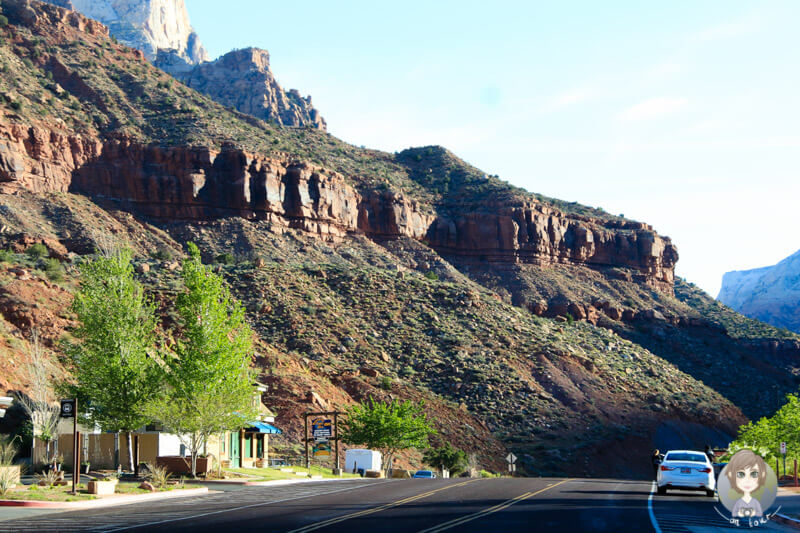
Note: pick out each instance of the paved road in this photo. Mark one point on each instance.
(430, 506)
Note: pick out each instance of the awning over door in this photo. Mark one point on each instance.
(262, 427)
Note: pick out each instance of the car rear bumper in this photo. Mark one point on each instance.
(686, 482)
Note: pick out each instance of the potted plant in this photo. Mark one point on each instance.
(85, 466)
(104, 487)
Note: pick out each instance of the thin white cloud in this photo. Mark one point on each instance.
(730, 29)
(652, 108)
(568, 98)
(665, 70)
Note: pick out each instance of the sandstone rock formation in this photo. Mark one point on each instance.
(243, 80)
(240, 79)
(148, 25)
(770, 294)
(200, 183)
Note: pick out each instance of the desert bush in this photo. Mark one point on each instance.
(37, 251)
(431, 275)
(386, 383)
(8, 450)
(226, 259)
(162, 254)
(48, 478)
(158, 475)
(53, 269)
(3, 21)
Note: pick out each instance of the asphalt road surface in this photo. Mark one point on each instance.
(430, 506)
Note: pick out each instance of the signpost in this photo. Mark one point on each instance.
(783, 453)
(69, 409)
(323, 430)
(511, 459)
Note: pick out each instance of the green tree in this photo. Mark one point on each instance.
(765, 435)
(210, 379)
(446, 457)
(388, 427)
(114, 373)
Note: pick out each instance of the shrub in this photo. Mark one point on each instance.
(48, 478)
(6, 256)
(570, 319)
(431, 275)
(53, 269)
(486, 473)
(162, 254)
(386, 383)
(225, 259)
(7, 481)
(158, 476)
(3, 21)
(8, 450)
(37, 251)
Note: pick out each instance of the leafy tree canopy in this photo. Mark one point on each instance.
(446, 457)
(114, 375)
(388, 427)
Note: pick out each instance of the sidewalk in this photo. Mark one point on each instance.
(789, 501)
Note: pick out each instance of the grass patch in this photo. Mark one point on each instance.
(270, 474)
(62, 494)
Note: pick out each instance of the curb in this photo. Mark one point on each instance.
(787, 521)
(271, 483)
(107, 502)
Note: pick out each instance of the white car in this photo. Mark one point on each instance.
(686, 470)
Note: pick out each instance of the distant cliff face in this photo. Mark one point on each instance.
(240, 79)
(243, 80)
(148, 25)
(770, 294)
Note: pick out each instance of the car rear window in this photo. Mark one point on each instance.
(685, 457)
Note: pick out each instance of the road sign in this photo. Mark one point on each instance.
(322, 450)
(321, 428)
(68, 408)
(512, 467)
(511, 458)
(783, 448)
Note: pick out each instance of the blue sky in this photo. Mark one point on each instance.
(680, 114)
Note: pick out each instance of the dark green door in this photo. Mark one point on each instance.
(234, 448)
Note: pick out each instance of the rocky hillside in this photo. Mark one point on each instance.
(148, 25)
(527, 324)
(242, 79)
(770, 294)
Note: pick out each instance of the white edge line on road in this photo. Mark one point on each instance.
(653, 520)
(221, 511)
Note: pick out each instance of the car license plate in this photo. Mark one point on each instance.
(686, 470)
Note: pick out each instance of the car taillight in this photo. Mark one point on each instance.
(704, 470)
(666, 468)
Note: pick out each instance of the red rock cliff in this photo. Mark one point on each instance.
(200, 183)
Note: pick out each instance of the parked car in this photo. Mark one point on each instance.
(424, 474)
(686, 470)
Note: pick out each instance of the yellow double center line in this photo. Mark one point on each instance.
(372, 510)
(480, 514)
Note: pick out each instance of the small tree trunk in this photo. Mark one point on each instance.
(116, 450)
(130, 450)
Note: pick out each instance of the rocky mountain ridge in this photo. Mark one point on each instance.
(147, 25)
(770, 294)
(240, 79)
